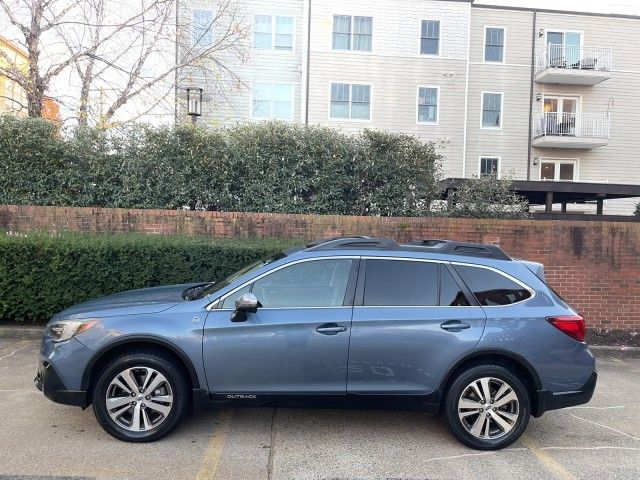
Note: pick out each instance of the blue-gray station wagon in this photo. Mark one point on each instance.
(459, 329)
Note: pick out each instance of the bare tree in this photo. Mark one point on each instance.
(127, 48)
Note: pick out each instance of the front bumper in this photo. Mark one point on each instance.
(48, 382)
(60, 370)
(547, 400)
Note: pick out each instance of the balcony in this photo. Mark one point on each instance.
(571, 130)
(573, 65)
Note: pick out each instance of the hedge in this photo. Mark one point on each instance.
(43, 274)
(262, 167)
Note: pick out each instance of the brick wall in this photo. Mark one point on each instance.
(594, 265)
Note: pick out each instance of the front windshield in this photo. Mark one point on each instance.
(216, 286)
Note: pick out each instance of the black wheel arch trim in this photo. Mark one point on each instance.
(490, 351)
(132, 339)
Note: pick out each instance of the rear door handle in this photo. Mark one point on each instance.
(454, 326)
(330, 329)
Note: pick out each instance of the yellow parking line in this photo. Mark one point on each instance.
(211, 459)
(547, 460)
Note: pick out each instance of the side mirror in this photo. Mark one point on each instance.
(245, 303)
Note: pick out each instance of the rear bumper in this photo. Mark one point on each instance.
(48, 382)
(547, 400)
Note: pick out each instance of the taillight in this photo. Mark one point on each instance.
(572, 325)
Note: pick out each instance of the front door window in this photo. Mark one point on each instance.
(318, 283)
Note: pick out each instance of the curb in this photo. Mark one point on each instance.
(611, 350)
(22, 333)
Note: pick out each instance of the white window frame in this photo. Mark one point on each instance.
(557, 161)
(484, 45)
(351, 50)
(559, 97)
(273, 34)
(563, 31)
(211, 31)
(429, 55)
(437, 122)
(498, 169)
(482, 127)
(271, 117)
(351, 83)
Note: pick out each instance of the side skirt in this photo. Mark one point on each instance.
(422, 403)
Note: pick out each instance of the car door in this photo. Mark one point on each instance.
(296, 343)
(411, 321)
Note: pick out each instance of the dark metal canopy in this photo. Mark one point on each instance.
(547, 193)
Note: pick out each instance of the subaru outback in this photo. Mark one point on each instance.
(439, 326)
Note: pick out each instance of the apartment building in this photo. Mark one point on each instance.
(13, 98)
(543, 95)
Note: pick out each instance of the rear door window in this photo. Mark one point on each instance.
(401, 283)
(490, 287)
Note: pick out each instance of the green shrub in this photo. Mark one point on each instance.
(636, 212)
(31, 156)
(43, 274)
(488, 197)
(263, 167)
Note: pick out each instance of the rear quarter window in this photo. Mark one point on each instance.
(490, 287)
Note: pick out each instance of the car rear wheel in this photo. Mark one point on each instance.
(487, 407)
(139, 397)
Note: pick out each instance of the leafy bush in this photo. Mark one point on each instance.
(636, 212)
(488, 197)
(263, 167)
(42, 274)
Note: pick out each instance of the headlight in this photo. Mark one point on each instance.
(62, 330)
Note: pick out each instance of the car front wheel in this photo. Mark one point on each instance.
(139, 397)
(487, 407)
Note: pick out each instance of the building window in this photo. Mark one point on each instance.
(489, 166)
(201, 28)
(564, 49)
(561, 170)
(428, 105)
(352, 33)
(351, 102)
(491, 110)
(273, 33)
(494, 44)
(430, 37)
(272, 101)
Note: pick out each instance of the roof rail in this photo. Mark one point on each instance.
(463, 248)
(353, 242)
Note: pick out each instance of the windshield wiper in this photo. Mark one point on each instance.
(192, 293)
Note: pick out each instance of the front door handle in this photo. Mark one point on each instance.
(330, 329)
(454, 326)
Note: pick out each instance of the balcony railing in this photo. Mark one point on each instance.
(571, 130)
(599, 59)
(583, 125)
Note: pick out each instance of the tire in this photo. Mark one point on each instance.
(508, 415)
(152, 412)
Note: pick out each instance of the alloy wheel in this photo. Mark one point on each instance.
(139, 399)
(488, 408)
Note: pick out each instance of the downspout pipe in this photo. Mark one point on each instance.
(531, 81)
(308, 65)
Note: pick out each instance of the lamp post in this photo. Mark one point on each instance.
(194, 103)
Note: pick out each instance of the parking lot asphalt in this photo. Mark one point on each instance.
(40, 439)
